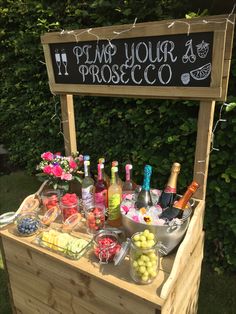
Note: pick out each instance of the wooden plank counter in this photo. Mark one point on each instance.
(44, 282)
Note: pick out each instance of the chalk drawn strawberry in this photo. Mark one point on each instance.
(202, 49)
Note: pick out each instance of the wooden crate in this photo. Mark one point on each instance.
(44, 282)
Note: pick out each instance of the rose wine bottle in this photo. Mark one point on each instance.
(105, 176)
(177, 209)
(168, 194)
(101, 197)
(114, 200)
(144, 198)
(128, 186)
(87, 187)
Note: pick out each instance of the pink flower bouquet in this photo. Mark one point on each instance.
(60, 170)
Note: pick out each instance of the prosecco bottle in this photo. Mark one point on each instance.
(168, 194)
(177, 209)
(144, 198)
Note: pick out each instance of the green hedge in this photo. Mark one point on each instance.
(140, 131)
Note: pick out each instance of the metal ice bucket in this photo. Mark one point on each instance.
(170, 235)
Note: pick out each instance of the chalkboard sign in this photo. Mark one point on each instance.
(173, 60)
(166, 59)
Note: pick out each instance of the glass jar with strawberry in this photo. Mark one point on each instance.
(95, 219)
(69, 205)
(50, 199)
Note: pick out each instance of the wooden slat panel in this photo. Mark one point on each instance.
(141, 29)
(68, 121)
(184, 294)
(58, 273)
(203, 146)
(137, 91)
(56, 298)
(228, 56)
(217, 59)
(26, 304)
(186, 249)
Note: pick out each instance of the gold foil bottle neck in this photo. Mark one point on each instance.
(175, 167)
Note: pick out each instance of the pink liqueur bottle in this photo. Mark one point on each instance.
(101, 196)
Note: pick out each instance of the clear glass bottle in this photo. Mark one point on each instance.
(128, 186)
(168, 194)
(114, 200)
(87, 187)
(144, 263)
(144, 198)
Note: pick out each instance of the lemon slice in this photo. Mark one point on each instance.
(201, 73)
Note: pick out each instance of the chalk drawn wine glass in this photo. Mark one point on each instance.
(58, 61)
(64, 61)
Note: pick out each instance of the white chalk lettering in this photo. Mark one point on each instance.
(146, 74)
(123, 74)
(94, 71)
(138, 55)
(166, 47)
(132, 74)
(115, 78)
(83, 69)
(129, 57)
(77, 51)
(105, 66)
(160, 75)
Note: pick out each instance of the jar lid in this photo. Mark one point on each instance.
(121, 254)
(7, 218)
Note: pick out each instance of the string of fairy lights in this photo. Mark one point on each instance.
(116, 34)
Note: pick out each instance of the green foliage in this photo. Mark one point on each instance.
(140, 131)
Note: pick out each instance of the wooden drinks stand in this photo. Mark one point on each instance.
(41, 281)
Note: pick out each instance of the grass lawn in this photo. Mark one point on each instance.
(217, 292)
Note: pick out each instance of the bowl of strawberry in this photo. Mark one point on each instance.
(95, 219)
(106, 245)
(69, 205)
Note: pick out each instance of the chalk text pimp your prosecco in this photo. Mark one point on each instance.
(142, 62)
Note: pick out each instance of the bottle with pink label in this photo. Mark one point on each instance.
(101, 196)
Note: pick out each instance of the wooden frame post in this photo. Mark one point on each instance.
(203, 146)
(68, 121)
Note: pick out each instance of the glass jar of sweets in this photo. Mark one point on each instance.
(144, 258)
(106, 246)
